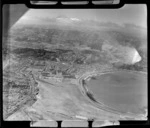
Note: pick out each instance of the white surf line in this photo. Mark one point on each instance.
(99, 73)
(111, 110)
(102, 105)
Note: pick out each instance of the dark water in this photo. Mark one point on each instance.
(122, 90)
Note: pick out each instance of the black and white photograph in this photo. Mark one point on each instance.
(76, 65)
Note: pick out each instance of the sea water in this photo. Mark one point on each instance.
(121, 90)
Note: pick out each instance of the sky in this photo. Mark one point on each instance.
(130, 13)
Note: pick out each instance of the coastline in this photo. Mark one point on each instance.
(101, 105)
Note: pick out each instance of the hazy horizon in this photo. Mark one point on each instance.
(128, 14)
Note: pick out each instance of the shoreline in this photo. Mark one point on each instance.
(98, 74)
(101, 106)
